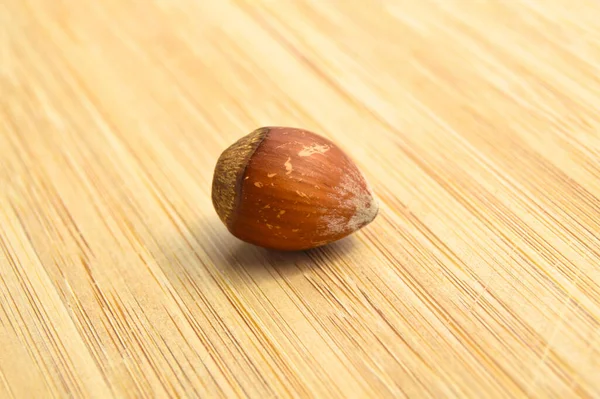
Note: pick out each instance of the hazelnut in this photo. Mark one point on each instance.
(289, 189)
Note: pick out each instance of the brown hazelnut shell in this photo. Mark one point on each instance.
(290, 189)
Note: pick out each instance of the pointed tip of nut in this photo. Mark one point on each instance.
(229, 172)
(366, 211)
(370, 210)
(360, 198)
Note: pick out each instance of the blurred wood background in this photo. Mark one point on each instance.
(476, 122)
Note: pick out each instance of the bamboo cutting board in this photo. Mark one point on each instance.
(475, 121)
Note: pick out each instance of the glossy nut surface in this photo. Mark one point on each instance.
(290, 189)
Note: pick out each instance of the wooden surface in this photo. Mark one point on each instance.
(476, 122)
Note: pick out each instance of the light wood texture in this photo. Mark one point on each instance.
(476, 122)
